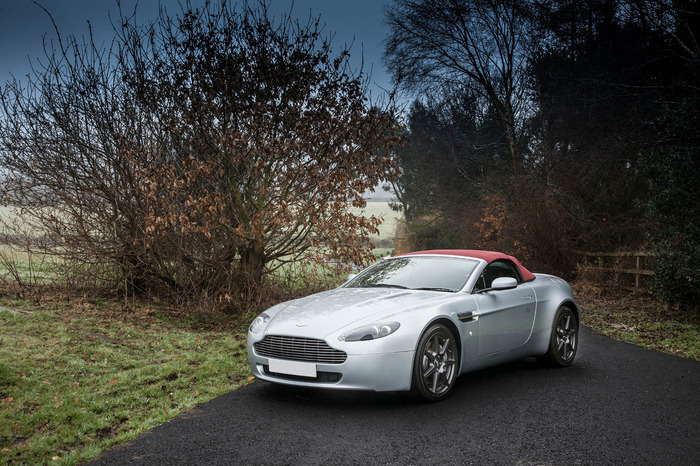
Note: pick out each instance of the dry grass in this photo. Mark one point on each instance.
(639, 319)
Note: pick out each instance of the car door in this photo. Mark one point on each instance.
(506, 316)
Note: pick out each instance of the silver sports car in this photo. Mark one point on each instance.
(415, 322)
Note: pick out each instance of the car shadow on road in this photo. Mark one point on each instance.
(485, 382)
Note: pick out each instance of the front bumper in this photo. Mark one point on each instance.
(378, 372)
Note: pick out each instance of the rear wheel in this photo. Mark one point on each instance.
(435, 365)
(563, 341)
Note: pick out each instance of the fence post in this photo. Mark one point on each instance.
(618, 267)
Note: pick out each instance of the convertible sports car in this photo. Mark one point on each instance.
(416, 322)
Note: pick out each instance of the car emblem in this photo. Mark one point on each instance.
(302, 324)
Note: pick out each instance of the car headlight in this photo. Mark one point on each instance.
(370, 332)
(259, 323)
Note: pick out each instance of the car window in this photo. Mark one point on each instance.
(419, 272)
(497, 269)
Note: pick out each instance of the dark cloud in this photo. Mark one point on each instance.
(23, 24)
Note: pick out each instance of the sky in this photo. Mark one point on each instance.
(23, 24)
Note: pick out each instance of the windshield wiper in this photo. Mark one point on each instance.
(385, 285)
(431, 288)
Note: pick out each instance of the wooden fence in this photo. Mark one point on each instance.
(629, 270)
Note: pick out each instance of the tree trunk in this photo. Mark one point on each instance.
(513, 146)
(252, 266)
(508, 120)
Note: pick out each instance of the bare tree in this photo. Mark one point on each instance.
(201, 150)
(65, 137)
(676, 18)
(475, 43)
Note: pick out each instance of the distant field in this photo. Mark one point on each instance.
(380, 209)
(8, 214)
(15, 260)
(387, 230)
(12, 221)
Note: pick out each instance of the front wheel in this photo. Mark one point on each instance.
(435, 365)
(563, 341)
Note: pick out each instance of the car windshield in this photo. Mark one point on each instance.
(417, 273)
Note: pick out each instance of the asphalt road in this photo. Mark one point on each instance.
(617, 404)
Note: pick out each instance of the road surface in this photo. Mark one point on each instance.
(617, 404)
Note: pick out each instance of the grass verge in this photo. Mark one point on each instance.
(77, 378)
(641, 320)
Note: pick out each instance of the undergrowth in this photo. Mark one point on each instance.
(641, 320)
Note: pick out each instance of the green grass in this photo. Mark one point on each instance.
(77, 379)
(18, 265)
(641, 320)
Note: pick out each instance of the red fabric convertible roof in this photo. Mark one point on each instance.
(488, 256)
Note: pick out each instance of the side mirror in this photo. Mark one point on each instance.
(504, 283)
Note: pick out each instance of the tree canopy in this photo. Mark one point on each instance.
(600, 99)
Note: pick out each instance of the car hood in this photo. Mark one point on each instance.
(321, 314)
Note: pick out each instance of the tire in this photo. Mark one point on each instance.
(563, 341)
(435, 365)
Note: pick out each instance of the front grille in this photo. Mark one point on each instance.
(299, 349)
